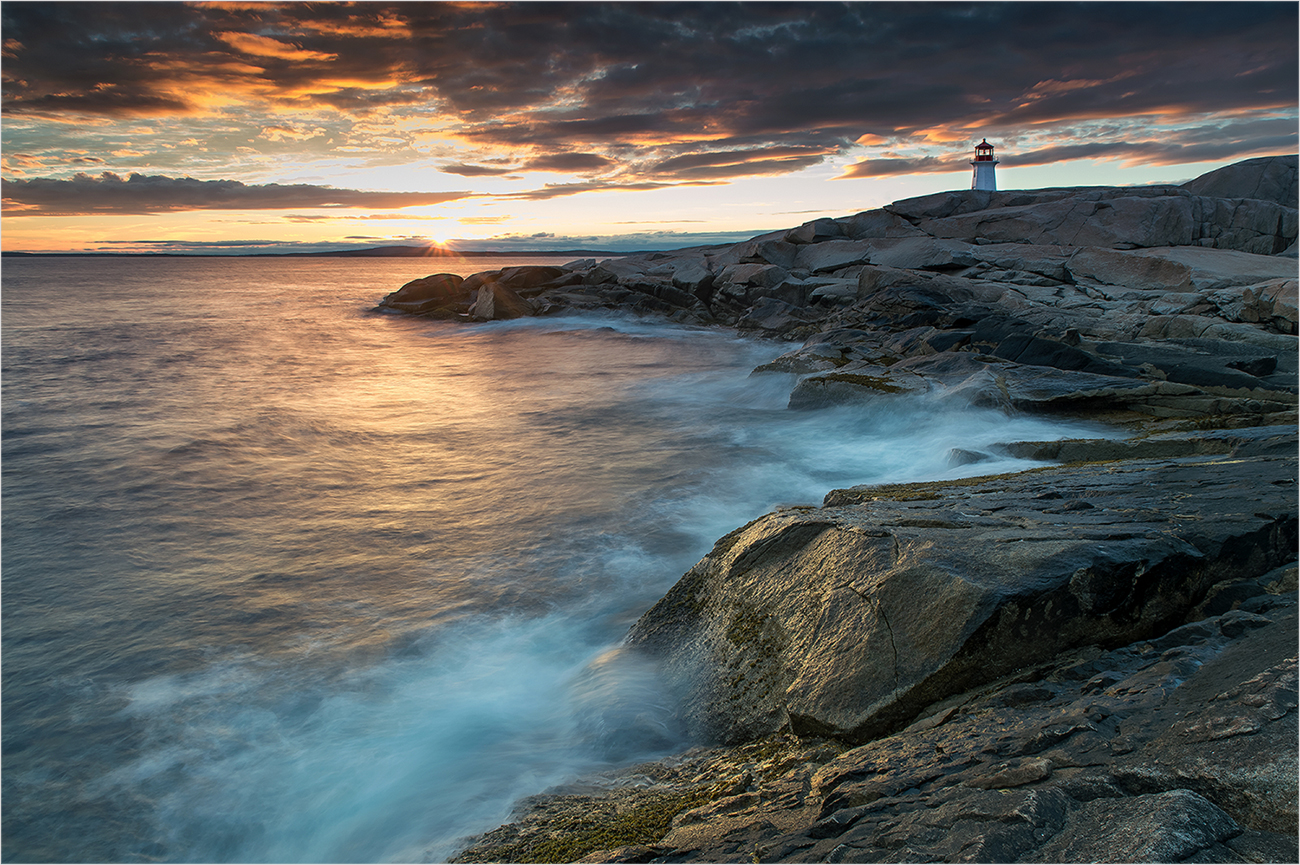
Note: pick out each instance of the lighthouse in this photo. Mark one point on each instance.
(984, 163)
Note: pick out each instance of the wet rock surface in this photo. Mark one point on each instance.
(1091, 660)
(1177, 748)
(845, 620)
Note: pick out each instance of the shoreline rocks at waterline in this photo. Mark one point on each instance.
(1159, 301)
(846, 620)
(1173, 749)
(1092, 660)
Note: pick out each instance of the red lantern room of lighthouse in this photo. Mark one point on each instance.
(984, 163)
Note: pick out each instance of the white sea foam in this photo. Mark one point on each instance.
(401, 759)
(323, 586)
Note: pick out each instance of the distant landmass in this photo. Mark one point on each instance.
(435, 252)
(371, 252)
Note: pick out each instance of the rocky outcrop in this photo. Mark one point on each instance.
(1113, 218)
(494, 301)
(1157, 301)
(846, 620)
(432, 295)
(1269, 178)
(487, 296)
(1178, 748)
(1092, 660)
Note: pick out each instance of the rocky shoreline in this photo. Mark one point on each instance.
(1094, 660)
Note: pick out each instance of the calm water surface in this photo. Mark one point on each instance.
(288, 580)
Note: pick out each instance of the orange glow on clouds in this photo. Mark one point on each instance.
(718, 115)
(265, 46)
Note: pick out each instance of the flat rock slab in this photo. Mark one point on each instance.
(846, 620)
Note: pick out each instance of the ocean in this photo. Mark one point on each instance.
(288, 580)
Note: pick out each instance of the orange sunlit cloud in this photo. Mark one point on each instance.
(265, 46)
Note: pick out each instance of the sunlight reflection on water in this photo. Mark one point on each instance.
(289, 581)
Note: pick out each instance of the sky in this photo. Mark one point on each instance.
(240, 127)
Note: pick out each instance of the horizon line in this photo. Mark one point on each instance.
(369, 252)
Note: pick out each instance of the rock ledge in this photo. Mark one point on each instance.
(1092, 660)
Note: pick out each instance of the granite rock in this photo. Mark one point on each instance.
(1092, 660)
(494, 301)
(1093, 755)
(844, 620)
(1270, 178)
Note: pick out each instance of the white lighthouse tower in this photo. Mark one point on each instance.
(984, 163)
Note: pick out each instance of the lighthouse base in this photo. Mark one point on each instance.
(984, 178)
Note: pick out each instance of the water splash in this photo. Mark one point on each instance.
(317, 586)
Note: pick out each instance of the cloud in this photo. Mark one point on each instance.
(580, 163)
(226, 247)
(1175, 147)
(467, 170)
(538, 242)
(265, 46)
(484, 220)
(570, 162)
(560, 190)
(895, 166)
(663, 93)
(140, 194)
(740, 163)
(290, 133)
(642, 240)
(25, 163)
(352, 217)
(105, 101)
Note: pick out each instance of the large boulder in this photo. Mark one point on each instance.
(1268, 178)
(816, 231)
(832, 255)
(778, 252)
(614, 269)
(1115, 218)
(694, 277)
(420, 295)
(1179, 748)
(494, 302)
(1271, 304)
(1209, 269)
(847, 620)
(525, 277)
(877, 224)
(1044, 260)
(1222, 386)
(1112, 267)
(924, 253)
(757, 275)
(774, 317)
(1187, 326)
(665, 291)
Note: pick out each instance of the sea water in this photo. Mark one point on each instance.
(285, 579)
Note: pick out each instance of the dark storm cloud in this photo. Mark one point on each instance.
(138, 194)
(638, 86)
(738, 163)
(104, 101)
(579, 163)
